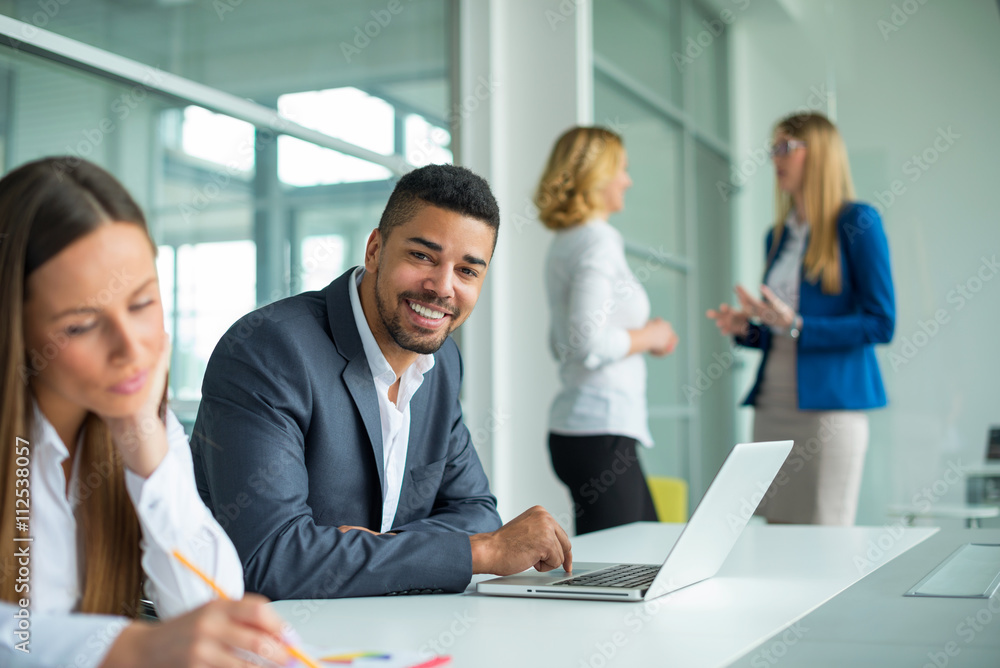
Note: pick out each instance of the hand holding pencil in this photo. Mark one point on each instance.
(219, 634)
(267, 650)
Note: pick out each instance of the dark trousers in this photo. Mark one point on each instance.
(604, 476)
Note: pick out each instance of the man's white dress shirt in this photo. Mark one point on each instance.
(395, 417)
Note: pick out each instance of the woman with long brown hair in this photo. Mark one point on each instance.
(600, 331)
(96, 478)
(827, 300)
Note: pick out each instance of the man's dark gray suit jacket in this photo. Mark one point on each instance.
(288, 446)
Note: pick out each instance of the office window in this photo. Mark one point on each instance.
(323, 256)
(637, 38)
(242, 216)
(345, 113)
(217, 138)
(426, 144)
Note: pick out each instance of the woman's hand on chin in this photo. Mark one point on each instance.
(141, 438)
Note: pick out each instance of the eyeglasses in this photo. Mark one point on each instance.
(785, 146)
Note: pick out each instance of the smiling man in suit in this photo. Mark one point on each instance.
(330, 442)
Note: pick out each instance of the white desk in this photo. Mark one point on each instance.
(873, 624)
(774, 576)
(973, 514)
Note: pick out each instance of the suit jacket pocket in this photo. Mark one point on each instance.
(418, 496)
(420, 473)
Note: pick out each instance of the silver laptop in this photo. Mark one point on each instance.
(699, 552)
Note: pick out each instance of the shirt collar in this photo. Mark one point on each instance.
(797, 228)
(380, 367)
(46, 436)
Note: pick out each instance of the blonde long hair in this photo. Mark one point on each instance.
(583, 162)
(826, 187)
(44, 207)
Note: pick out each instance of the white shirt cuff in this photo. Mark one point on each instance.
(64, 639)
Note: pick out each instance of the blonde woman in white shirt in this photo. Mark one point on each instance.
(96, 479)
(600, 327)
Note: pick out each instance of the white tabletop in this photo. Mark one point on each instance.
(873, 624)
(955, 510)
(774, 576)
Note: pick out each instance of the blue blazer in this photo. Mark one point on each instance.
(836, 368)
(288, 446)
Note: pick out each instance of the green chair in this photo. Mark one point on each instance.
(670, 496)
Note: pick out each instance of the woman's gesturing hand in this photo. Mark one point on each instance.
(770, 310)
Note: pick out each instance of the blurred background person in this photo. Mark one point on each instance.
(827, 299)
(89, 449)
(600, 328)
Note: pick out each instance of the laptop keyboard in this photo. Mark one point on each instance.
(626, 576)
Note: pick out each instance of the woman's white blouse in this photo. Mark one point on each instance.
(785, 276)
(172, 516)
(594, 300)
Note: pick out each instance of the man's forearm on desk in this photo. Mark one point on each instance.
(358, 563)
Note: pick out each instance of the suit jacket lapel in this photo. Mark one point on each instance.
(358, 378)
(357, 374)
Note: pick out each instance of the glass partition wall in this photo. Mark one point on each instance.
(669, 102)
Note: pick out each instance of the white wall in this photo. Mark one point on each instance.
(898, 91)
(537, 56)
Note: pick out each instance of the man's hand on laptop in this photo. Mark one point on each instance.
(533, 538)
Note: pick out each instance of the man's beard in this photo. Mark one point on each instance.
(393, 323)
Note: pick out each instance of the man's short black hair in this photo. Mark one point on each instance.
(448, 187)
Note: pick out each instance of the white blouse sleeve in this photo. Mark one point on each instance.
(56, 639)
(173, 516)
(592, 302)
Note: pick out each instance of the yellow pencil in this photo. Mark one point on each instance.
(297, 653)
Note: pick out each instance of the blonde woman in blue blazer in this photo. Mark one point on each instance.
(827, 300)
